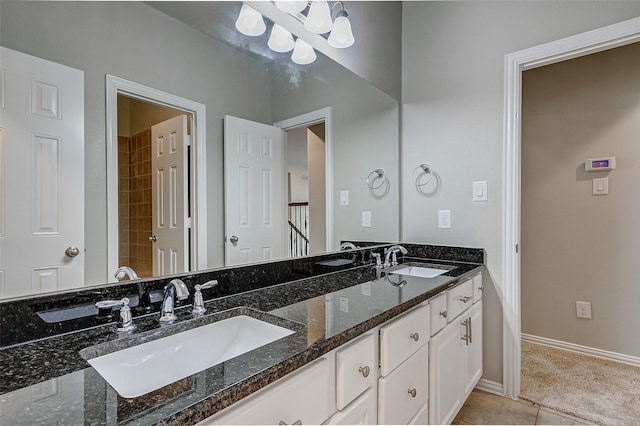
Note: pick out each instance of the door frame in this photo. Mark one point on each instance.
(516, 63)
(309, 119)
(118, 86)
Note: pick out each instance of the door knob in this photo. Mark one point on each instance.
(413, 392)
(72, 251)
(153, 238)
(233, 239)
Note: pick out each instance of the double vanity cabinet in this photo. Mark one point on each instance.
(417, 368)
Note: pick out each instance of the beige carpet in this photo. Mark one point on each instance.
(597, 390)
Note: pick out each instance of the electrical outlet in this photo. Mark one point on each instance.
(583, 310)
(344, 304)
(444, 219)
(366, 219)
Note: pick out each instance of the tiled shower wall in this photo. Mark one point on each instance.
(134, 159)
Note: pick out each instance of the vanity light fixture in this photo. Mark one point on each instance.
(250, 21)
(318, 19)
(303, 53)
(341, 35)
(280, 40)
(291, 6)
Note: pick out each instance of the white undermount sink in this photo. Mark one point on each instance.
(420, 271)
(149, 366)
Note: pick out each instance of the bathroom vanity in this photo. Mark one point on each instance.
(363, 344)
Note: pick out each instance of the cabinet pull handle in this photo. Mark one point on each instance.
(470, 331)
(413, 392)
(297, 422)
(465, 299)
(365, 370)
(466, 331)
(481, 288)
(415, 336)
(444, 314)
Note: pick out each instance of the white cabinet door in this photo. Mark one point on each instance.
(303, 397)
(355, 369)
(362, 411)
(473, 351)
(446, 368)
(402, 337)
(405, 391)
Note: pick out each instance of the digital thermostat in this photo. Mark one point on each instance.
(600, 164)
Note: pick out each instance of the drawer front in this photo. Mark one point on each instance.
(477, 288)
(403, 337)
(302, 396)
(362, 411)
(458, 299)
(439, 314)
(405, 391)
(355, 369)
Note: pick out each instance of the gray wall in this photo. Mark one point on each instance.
(134, 41)
(365, 137)
(375, 56)
(586, 245)
(452, 115)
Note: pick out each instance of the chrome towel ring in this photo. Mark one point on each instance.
(426, 170)
(376, 175)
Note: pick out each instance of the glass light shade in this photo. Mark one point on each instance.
(303, 53)
(291, 6)
(341, 35)
(280, 39)
(319, 18)
(250, 22)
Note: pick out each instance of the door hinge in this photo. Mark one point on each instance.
(517, 248)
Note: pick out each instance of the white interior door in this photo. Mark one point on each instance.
(255, 197)
(41, 175)
(171, 224)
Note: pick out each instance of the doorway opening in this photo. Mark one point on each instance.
(186, 182)
(306, 187)
(136, 211)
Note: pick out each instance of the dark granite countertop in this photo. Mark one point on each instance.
(47, 381)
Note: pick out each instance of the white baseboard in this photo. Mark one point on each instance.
(490, 387)
(586, 350)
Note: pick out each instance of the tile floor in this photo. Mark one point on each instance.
(482, 408)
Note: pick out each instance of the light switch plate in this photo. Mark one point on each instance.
(480, 191)
(600, 186)
(344, 198)
(366, 219)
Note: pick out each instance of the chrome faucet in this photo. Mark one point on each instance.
(125, 324)
(198, 301)
(390, 257)
(347, 246)
(175, 288)
(126, 271)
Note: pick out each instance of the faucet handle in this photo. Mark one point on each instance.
(126, 320)
(377, 256)
(198, 301)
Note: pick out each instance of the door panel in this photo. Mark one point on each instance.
(41, 175)
(171, 225)
(254, 191)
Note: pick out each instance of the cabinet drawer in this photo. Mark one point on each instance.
(402, 337)
(477, 288)
(362, 411)
(302, 396)
(404, 392)
(438, 307)
(355, 369)
(458, 299)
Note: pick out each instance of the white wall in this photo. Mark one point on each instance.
(297, 164)
(452, 116)
(586, 245)
(317, 189)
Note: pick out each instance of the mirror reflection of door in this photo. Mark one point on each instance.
(153, 236)
(41, 175)
(306, 231)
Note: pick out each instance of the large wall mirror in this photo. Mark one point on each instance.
(338, 132)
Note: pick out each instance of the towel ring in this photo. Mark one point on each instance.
(426, 170)
(379, 175)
